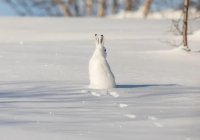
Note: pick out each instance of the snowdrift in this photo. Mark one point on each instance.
(168, 14)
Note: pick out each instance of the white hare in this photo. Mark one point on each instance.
(101, 76)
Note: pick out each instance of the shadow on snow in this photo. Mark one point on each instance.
(140, 86)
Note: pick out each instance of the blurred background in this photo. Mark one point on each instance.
(95, 8)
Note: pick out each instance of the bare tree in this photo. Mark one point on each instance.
(89, 7)
(26, 7)
(51, 7)
(128, 5)
(185, 25)
(64, 8)
(135, 4)
(75, 4)
(101, 6)
(198, 5)
(114, 6)
(14, 7)
(184, 31)
(146, 7)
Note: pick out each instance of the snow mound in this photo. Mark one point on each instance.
(131, 116)
(122, 105)
(195, 36)
(168, 14)
(114, 94)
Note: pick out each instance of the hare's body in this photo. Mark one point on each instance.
(101, 76)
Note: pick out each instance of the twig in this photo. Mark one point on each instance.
(172, 44)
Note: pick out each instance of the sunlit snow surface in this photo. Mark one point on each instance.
(44, 80)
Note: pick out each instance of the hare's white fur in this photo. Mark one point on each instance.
(101, 76)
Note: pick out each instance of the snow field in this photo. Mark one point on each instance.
(44, 81)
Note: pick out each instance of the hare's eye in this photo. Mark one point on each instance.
(105, 50)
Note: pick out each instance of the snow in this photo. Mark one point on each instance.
(44, 80)
(114, 94)
(165, 14)
(122, 105)
(195, 36)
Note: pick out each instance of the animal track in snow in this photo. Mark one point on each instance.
(95, 94)
(152, 118)
(122, 105)
(84, 91)
(130, 116)
(114, 94)
(158, 124)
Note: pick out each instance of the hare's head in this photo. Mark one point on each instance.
(100, 45)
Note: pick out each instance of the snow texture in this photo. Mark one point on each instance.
(165, 14)
(122, 105)
(44, 80)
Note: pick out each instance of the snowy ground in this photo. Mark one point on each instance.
(44, 78)
(165, 14)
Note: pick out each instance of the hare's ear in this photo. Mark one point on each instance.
(102, 40)
(97, 39)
